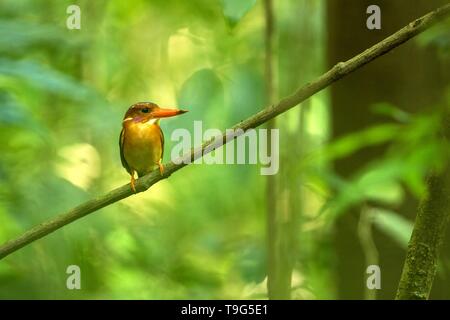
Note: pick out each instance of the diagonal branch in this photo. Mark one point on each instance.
(339, 71)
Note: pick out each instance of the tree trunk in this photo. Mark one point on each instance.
(429, 230)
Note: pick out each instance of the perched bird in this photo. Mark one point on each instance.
(141, 139)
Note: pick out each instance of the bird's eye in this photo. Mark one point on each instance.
(145, 110)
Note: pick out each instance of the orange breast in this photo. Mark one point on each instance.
(143, 146)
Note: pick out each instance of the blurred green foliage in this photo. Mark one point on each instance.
(201, 233)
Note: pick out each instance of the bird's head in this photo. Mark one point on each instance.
(145, 111)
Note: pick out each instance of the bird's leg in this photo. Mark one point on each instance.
(161, 167)
(133, 182)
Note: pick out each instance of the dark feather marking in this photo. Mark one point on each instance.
(162, 142)
(122, 156)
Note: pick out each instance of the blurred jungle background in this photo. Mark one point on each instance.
(353, 158)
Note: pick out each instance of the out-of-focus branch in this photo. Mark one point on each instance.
(279, 272)
(368, 245)
(339, 71)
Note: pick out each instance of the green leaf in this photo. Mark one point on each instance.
(392, 111)
(354, 142)
(393, 225)
(380, 183)
(437, 37)
(45, 78)
(234, 10)
(20, 36)
(202, 94)
(11, 112)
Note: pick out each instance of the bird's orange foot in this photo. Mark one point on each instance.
(161, 168)
(133, 183)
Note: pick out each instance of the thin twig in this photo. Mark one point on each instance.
(337, 72)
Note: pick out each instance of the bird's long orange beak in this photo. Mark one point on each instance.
(166, 113)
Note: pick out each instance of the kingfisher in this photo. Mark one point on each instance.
(141, 140)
